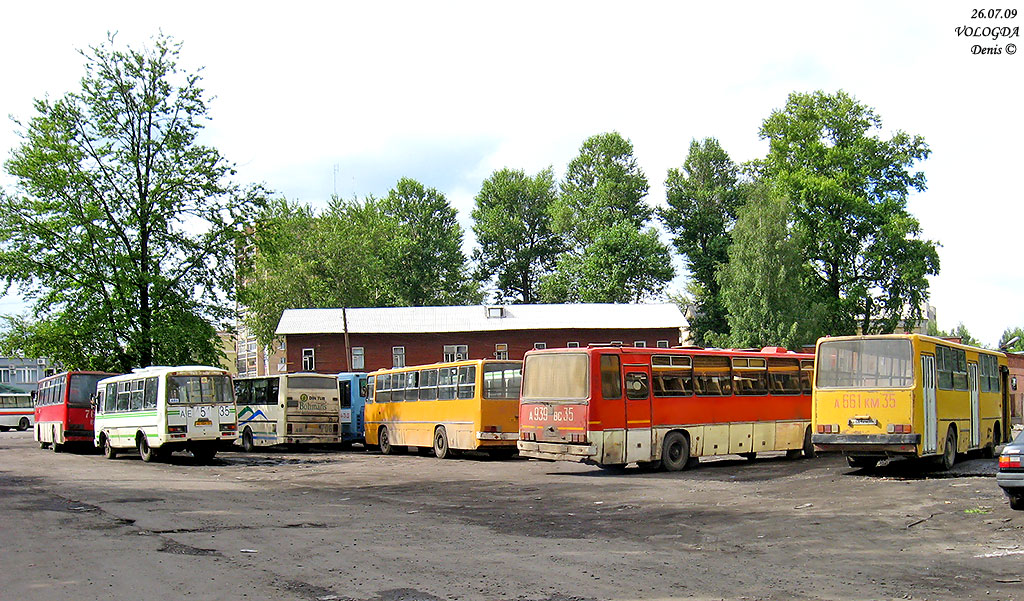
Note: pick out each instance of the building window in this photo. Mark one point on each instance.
(308, 360)
(618, 342)
(282, 367)
(281, 345)
(501, 351)
(640, 343)
(540, 345)
(663, 344)
(5, 376)
(357, 357)
(456, 352)
(398, 356)
(572, 345)
(495, 312)
(251, 347)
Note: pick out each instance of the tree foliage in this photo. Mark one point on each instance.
(601, 215)
(122, 228)
(849, 188)
(1017, 346)
(703, 199)
(401, 251)
(512, 224)
(762, 282)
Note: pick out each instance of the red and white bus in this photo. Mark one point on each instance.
(664, 408)
(64, 412)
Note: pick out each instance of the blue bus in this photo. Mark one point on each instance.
(352, 394)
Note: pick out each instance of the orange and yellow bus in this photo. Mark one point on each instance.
(663, 408)
(907, 395)
(463, 405)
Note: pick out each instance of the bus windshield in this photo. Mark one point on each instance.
(83, 386)
(555, 376)
(199, 389)
(502, 380)
(865, 363)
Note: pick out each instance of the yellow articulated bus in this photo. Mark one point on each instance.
(907, 395)
(463, 405)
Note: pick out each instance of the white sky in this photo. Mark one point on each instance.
(347, 97)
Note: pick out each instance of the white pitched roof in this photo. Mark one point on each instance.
(392, 320)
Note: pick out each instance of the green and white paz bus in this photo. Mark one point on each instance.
(158, 410)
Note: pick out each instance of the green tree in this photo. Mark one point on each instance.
(512, 223)
(703, 199)
(601, 215)
(762, 282)
(961, 332)
(122, 229)
(1016, 346)
(426, 261)
(849, 189)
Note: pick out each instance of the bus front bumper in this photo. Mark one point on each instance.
(868, 444)
(552, 451)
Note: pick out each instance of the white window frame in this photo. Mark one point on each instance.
(572, 345)
(310, 354)
(501, 351)
(398, 356)
(540, 345)
(640, 343)
(663, 344)
(455, 352)
(358, 357)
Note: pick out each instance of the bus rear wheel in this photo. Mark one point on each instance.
(23, 424)
(949, 451)
(384, 441)
(145, 451)
(808, 447)
(203, 453)
(247, 444)
(441, 450)
(675, 452)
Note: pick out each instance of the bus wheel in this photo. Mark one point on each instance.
(145, 451)
(1017, 502)
(441, 450)
(862, 463)
(108, 451)
(247, 444)
(44, 445)
(384, 441)
(23, 424)
(949, 452)
(808, 448)
(4, 428)
(675, 452)
(57, 448)
(989, 450)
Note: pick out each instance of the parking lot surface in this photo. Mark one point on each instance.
(331, 524)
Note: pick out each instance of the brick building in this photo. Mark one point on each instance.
(314, 339)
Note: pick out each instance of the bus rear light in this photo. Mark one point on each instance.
(899, 428)
(176, 429)
(1009, 461)
(492, 429)
(228, 427)
(828, 428)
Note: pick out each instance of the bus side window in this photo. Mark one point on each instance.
(447, 378)
(611, 377)
(123, 396)
(138, 387)
(363, 387)
(467, 382)
(273, 391)
(259, 392)
(97, 401)
(110, 399)
(636, 385)
(151, 388)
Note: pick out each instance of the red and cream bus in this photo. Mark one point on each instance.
(663, 408)
(64, 412)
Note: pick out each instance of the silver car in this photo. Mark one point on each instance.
(1010, 476)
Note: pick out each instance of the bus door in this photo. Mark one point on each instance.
(972, 384)
(931, 424)
(345, 396)
(638, 412)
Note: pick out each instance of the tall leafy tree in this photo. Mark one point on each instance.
(611, 255)
(762, 282)
(122, 228)
(961, 332)
(849, 189)
(427, 263)
(512, 223)
(703, 199)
